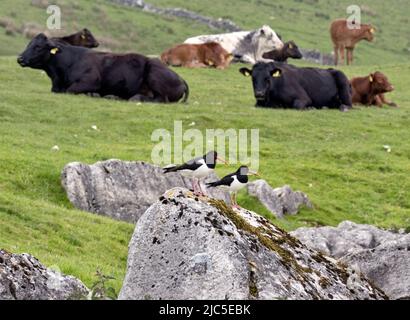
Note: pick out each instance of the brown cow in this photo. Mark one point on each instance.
(370, 90)
(83, 38)
(209, 54)
(289, 50)
(345, 38)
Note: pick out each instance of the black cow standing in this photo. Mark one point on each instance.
(285, 86)
(80, 70)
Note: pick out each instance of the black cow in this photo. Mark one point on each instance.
(286, 86)
(289, 50)
(83, 38)
(80, 70)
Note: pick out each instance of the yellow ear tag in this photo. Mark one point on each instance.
(82, 36)
(371, 79)
(276, 74)
(210, 63)
(247, 74)
(290, 46)
(372, 30)
(54, 50)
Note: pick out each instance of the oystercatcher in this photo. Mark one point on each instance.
(197, 169)
(234, 182)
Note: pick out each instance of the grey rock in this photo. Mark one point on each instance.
(223, 24)
(347, 238)
(281, 201)
(121, 190)
(382, 256)
(187, 248)
(23, 277)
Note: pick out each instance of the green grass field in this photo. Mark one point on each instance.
(337, 159)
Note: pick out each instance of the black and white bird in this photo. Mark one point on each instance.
(234, 182)
(197, 169)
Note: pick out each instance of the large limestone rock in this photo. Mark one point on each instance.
(23, 277)
(348, 237)
(280, 201)
(189, 248)
(121, 190)
(382, 256)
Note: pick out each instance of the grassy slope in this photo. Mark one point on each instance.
(132, 29)
(340, 155)
(307, 22)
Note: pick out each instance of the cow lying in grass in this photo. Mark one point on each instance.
(246, 46)
(80, 70)
(345, 38)
(370, 90)
(285, 86)
(289, 50)
(197, 56)
(83, 38)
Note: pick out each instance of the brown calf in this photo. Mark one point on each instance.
(346, 39)
(198, 56)
(370, 90)
(83, 38)
(289, 50)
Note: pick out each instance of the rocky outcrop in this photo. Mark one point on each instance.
(189, 248)
(382, 256)
(23, 277)
(222, 24)
(280, 201)
(318, 57)
(121, 190)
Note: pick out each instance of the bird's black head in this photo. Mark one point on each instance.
(210, 159)
(243, 171)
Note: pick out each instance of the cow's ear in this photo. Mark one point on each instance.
(276, 73)
(246, 72)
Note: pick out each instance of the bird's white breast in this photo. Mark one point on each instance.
(236, 185)
(199, 173)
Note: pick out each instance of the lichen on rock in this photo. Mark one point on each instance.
(185, 247)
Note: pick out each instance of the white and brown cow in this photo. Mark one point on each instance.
(245, 46)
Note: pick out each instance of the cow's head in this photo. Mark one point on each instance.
(87, 39)
(369, 32)
(380, 83)
(264, 78)
(292, 50)
(268, 39)
(38, 52)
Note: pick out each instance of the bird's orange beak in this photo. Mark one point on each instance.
(254, 173)
(222, 160)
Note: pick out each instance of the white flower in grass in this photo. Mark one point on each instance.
(55, 148)
(387, 148)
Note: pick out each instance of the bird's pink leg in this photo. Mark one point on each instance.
(200, 188)
(195, 186)
(234, 203)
